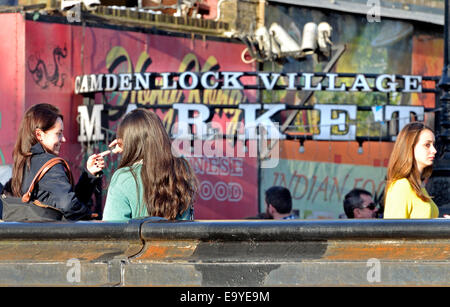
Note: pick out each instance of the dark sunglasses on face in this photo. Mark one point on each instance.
(370, 206)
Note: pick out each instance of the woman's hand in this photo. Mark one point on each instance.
(116, 145)
(95, 164)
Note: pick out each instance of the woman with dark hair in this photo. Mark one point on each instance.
(409, 166)
(150, 180)
(39, 140)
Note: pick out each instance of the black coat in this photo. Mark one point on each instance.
(54, 188)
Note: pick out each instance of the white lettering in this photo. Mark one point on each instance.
(265, 78)
(413, 84)
(204, 80)
(390, 84)
(360, 81)
(184, 120)
(78, 84)
(404, 114)
(90, 128)
(111, 82)
(84, 88)
(184, 83)
(166, 81)
(252, 123)
(231, 81)
(142, 81)
(332, 84)
(125, 82)
(326, 122)
(96, 83)
(291, 77)
(308, 83)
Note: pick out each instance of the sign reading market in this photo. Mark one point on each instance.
(90, 129)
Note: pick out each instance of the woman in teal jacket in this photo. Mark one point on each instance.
(150, 180)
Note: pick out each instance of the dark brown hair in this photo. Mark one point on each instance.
(170, 185)
(41, 116)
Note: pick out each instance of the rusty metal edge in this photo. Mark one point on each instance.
(234, 230)
(82, 230)
(295, 230)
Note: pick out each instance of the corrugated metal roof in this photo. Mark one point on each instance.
(427, 11)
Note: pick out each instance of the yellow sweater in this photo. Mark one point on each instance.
(402, 202)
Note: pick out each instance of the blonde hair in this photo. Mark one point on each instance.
(402, 163)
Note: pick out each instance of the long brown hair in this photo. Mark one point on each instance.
(41, 116)
(402, 162)
(170, 185)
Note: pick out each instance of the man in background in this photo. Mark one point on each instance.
(359, 204)
(279, 204)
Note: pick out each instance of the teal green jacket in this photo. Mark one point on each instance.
(124, 200)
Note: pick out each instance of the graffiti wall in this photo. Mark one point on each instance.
(47, 53)
(12, 85)
(319, 174)
(56, 52)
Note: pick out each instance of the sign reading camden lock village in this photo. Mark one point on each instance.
(90, 129)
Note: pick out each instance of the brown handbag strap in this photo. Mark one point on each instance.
(42, 171)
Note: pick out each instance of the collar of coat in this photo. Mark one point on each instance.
(37, 149)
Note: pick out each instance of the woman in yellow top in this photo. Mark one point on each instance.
(409, 166)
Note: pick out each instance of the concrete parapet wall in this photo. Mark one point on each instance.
(153, 252)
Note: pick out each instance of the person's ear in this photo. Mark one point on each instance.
(38, 133)
(271, 208)
(356, 212)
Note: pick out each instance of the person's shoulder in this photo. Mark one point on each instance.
(39, 155)
(123, 175)
(42, 158)
(38, 160)
(401, 183)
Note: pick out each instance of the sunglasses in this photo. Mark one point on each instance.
(370, 206)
